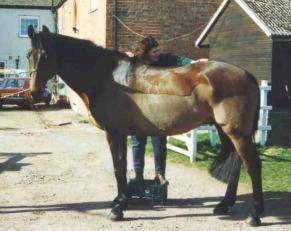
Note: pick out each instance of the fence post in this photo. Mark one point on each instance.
(193, 145)
(264, 113)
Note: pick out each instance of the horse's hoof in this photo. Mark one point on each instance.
(220, 209)
(116, 214)
(254, 221)
(113, 216)
(122, 201)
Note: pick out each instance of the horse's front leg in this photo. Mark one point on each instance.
(118, 147)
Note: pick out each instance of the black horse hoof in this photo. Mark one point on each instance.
(221, 209)
(116, 214)
(122, 201)
(254, 221)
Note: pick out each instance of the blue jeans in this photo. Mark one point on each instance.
(160, 153)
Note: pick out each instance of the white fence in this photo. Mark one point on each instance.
(190, 139)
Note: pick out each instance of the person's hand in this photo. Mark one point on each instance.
(199, 60)
(129, 53)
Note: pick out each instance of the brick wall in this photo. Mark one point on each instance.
(163, 19)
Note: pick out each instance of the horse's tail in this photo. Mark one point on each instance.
(228, 163)
(257, 111)
(222, 168)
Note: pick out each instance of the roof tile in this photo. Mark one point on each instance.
(276, 14)
(26, 3)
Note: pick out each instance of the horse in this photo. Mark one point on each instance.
(127, 97)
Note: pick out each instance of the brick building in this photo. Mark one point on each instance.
(163, 19)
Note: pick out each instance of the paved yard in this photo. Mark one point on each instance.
(56, 174)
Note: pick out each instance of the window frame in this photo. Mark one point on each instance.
(93, 5)
(5, 64)
(27, 17)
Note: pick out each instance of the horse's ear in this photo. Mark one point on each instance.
(30, 32)
(45, 37)
(45, 30)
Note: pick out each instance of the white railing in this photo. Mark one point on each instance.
(263, 126)
(190, 139)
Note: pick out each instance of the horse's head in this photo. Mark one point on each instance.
(42, 60)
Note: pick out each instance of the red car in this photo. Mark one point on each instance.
(16, 91)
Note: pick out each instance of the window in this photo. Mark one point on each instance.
(12, 83)
(25, 21)
(2, 67)
(93, 5)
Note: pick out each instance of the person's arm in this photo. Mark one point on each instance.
(172, 60)
(181, 61)
(166, 60)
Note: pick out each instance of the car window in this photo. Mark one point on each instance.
(13, 83)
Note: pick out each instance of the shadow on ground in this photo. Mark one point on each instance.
(11, 160)
(277, 204)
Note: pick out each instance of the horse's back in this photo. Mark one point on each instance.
(178, 81)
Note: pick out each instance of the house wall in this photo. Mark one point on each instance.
(90, 25)
(11, 45)
(237, 39)
(163, 19)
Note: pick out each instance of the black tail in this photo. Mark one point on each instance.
(222, 169)
(257, 112)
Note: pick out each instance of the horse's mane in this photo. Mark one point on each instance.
(86, 50)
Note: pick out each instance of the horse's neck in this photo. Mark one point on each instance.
(86, 79)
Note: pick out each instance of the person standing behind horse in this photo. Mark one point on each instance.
(148, 52)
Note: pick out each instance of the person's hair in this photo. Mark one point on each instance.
(144, 46)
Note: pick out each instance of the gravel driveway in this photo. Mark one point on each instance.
(56, 174)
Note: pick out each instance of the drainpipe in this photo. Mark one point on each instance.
(113, 25)
(55, 15)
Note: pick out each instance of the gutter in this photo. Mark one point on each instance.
(25, 7)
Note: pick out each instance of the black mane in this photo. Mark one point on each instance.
(86, 52)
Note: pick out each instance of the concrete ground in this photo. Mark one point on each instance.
(56, 174)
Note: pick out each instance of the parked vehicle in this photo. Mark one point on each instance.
(16, 91)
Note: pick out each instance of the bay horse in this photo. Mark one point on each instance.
(126, 97)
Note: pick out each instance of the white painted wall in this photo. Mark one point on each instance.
(11, 45)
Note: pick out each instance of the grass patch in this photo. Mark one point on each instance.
(276, 170)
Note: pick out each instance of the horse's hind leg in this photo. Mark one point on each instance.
(227, 149)
(117, 144)
(247, 151)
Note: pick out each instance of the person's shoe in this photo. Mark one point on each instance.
(160, 178)
(138, 177)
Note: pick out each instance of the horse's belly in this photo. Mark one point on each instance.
(165, 114)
